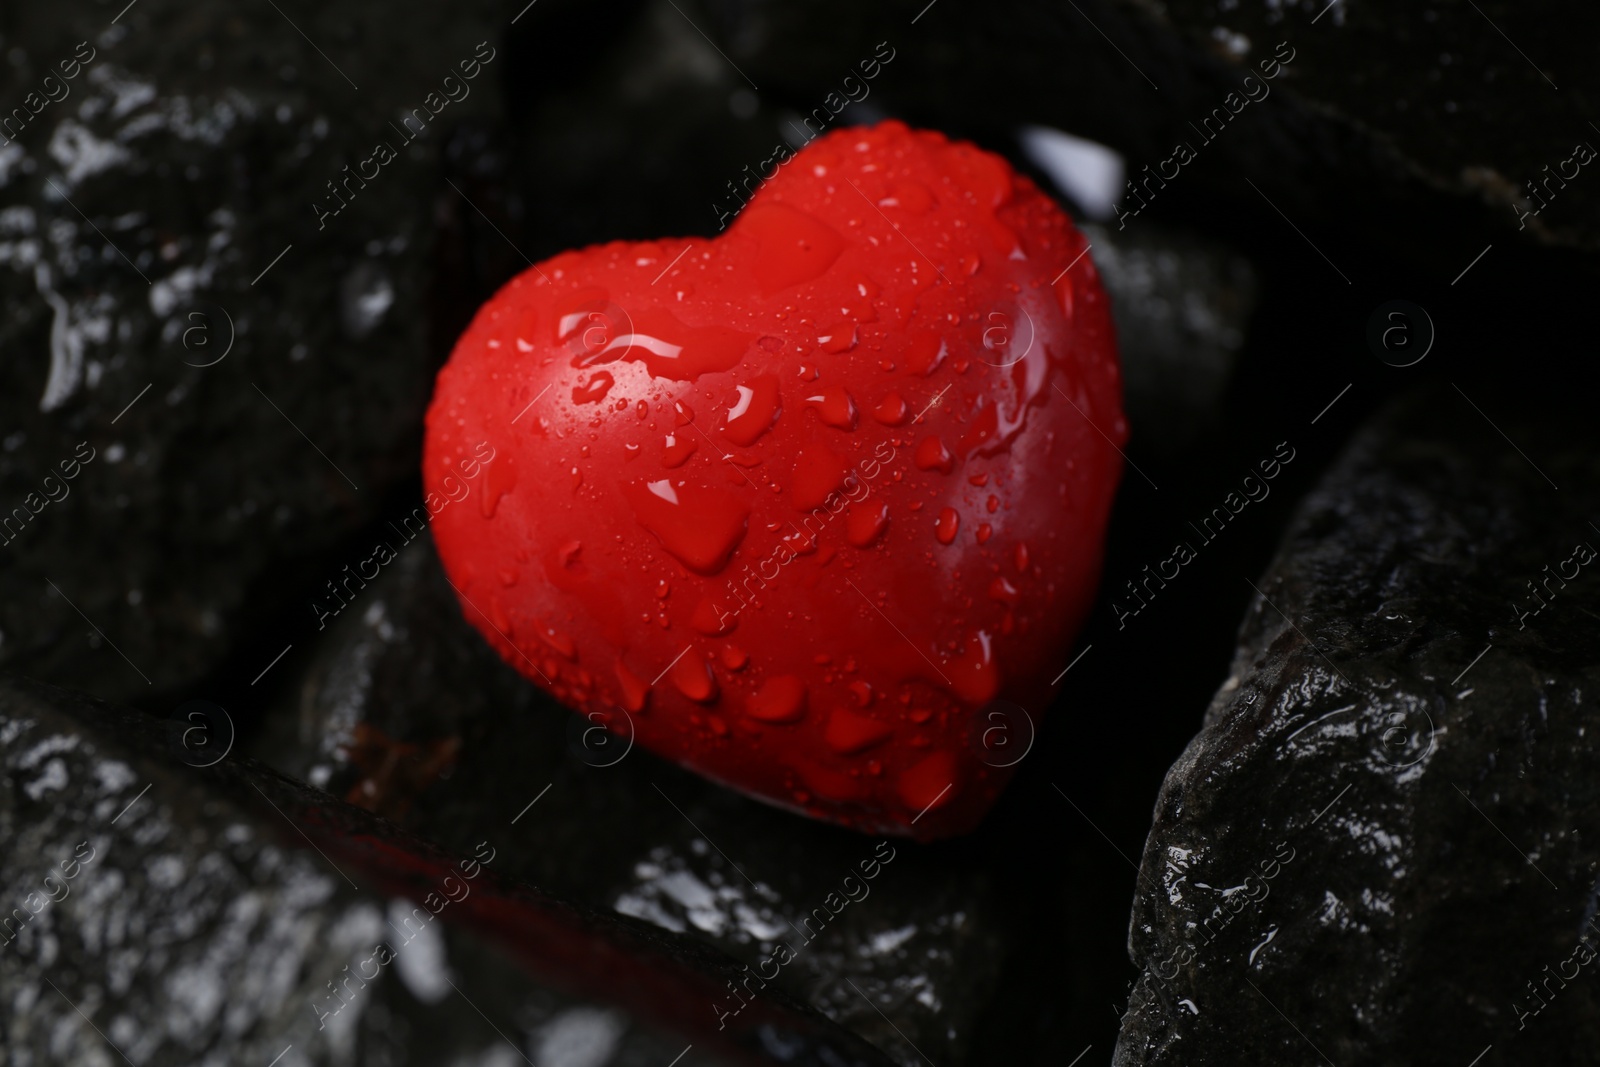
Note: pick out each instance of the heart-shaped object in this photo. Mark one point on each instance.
(813, 508)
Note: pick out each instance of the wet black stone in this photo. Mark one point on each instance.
(141, 215)
(1381, 835)
(209, 914)
(1182, 306)
(405, 709)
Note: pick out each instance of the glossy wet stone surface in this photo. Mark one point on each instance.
(1380, 837)
(239, 418)
(175, 914)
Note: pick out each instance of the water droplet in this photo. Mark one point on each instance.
(944, 528)
(835, 406)
(930, 784)
(985, 531)
(676, 452)
(932, 455)
(595, 390)
(992, 504)
(974, 675)
(839, 337)
(734, 658)
(754, 412)
(1002, 590)
(892, 410)
(499, 478)
(693, 678)
(781, 698)
(1064, 292)
(866, 523)
(634, 689)
(1019, 556)
(500, 619)
(910, 197)
(790, 246)
(848, 733)
(682, 413)
(700, 526)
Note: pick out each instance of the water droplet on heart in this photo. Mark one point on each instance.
(500, 619)
(911, 197)
(692, 677)
(985, 531)
(944, 528)
(734, 658)
(791, 246)
(642, 410)
(1064, 293)
(932, 455)
(634, 689)
(974, 675)
(698, 525)
(682, 413)
(992, 504)
(837, 337)
(848, 733)
(1019, 556)
(676, 451)
(861, 693)
(499, 478)
(1002, 590)
(780, 699)
(755, 410)
(930, 784)
(892, 410)
(866, 523)
(663, 590)
(835, 406)
(595, 390)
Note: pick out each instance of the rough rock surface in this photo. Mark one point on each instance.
(407, 711)
(141, 213)
(1378, 849)
(169, 913)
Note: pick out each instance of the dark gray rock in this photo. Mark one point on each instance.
(171, 913)
(142, 212)
(406, 710)
(1378, 849)
(1182, 306)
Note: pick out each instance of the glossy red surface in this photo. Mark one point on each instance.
(794, 505)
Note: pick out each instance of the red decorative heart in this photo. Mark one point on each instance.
(805, 507)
